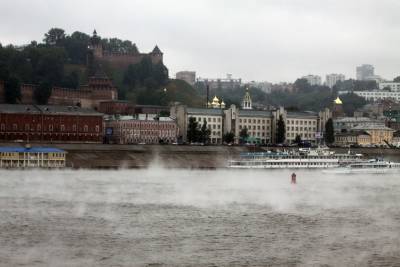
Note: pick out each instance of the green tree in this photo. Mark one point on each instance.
(352, 102)
(192, 131)
(76, 47)
(42, 93)
(397, 79)
(281, 131)
(329, 133)
(55, 36)
(297, 140)
(205, 133)
(229, 138)
(243, 134)
(71, 80)
(12, 90)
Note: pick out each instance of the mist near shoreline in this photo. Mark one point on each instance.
(197, 217)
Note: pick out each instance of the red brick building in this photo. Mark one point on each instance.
(131, 131)
(50, 124)
(121, 107)
(98, 89)
(121, 59)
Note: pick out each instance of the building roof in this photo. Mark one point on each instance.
(353, 133)
(16, 108)
(205, 111)
(301, 114)
(254, 113)
(337, 101)
(372, 127)
(47, 109)
(156, 50)
(31, 149)
(353, 119)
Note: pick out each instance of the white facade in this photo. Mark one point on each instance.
(313, 79)
(345, 124)
(378, 95)
(332, 79)
(214, 123)
(394, 87)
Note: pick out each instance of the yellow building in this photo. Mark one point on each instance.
(380, 135)
(360, 138)
(36, 157)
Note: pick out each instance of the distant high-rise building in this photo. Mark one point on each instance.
(187, 76)
(364, 71)
(312, 79)
(227, 83)
(332, 79)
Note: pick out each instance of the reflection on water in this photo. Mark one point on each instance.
(176, 217)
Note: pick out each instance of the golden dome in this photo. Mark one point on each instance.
(337, 101)
(215, 99)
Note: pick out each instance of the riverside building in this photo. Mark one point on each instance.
(35, 157)
(261, 125)
(45, 123)
(130, 130)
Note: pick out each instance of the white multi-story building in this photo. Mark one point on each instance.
(312, 79)
(261, 125)
(376, 95)
(227, 83)
(364, 71)
(345, 124)
(394, 86)
(332, 79)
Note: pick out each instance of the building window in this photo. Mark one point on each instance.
(15, 127)
(50, 127)
(85, 128)
(62, 127)
(74, 127)
(97, 128)
(3, 127)
(27, 127)
(38, 127)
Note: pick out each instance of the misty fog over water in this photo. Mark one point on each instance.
(179, 217)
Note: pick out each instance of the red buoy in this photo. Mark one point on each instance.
(293, 178)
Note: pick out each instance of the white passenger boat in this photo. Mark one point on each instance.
(299, 159)
(373, 166)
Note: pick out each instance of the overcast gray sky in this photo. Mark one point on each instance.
(273, 40)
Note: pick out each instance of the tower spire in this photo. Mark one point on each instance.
(247, 103)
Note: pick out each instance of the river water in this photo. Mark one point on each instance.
(160, 217)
